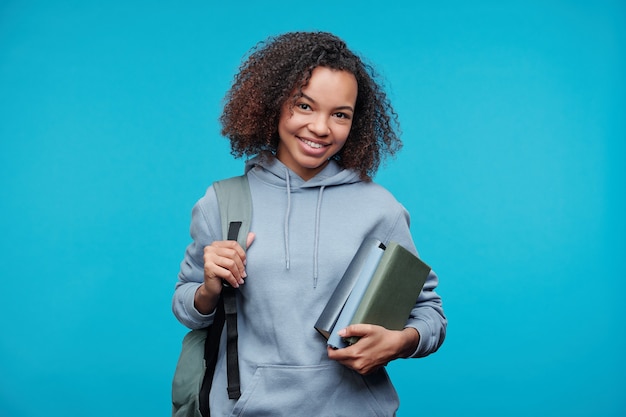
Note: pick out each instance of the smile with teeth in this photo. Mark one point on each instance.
(312, 144)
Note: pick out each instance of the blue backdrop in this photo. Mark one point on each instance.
(514, 121)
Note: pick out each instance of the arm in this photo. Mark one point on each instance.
(224, 260)
(376, 347)
(208, 260)
(427, 316)
(424, 331)
(204, 229)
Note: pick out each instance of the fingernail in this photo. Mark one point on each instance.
(342, 332)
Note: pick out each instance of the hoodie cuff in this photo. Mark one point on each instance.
(196, 319)
(424, 331)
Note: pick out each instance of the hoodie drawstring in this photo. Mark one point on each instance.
(317, 236)
(287, 219)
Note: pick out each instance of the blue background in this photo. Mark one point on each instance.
(514, 121)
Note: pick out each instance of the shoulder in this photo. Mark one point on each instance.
(371, 200)
(208, 202)
(379, 189)
(374, 192)
(205, 217)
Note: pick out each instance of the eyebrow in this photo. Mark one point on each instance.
(336, 108)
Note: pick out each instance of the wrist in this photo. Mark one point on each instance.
(204, 300)
(411, 341)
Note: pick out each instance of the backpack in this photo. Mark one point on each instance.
(196, 364)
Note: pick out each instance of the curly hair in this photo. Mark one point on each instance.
(277, 67)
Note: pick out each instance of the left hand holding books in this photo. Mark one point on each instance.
(376, 347)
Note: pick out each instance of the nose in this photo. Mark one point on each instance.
(319, 126)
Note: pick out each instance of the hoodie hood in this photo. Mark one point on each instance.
(275, 172)
(269, 169)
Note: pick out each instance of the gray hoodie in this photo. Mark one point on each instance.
(306, 235)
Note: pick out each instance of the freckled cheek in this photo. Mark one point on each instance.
(286, 126)
(343, 133)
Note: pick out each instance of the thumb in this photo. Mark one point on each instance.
(358, 330)
(250, 239)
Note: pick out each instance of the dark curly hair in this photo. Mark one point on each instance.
(278, 66)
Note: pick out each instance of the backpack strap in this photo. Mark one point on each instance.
(235, 208)
(235, 204)
(235, 201)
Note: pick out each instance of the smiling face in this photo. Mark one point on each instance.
(317, 126)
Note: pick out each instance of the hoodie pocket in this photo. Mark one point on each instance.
(329, 390)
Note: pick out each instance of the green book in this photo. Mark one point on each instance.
(384, 297)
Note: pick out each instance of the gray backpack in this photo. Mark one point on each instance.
(196, 365)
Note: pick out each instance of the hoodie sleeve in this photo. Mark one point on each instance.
(204, 223)
(427, 316)
(428, 319)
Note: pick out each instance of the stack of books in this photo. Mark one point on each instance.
(380, 286)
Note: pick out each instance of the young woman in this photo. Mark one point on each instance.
(316, 125)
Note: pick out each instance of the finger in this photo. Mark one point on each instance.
(224, 258)
(228, 244)
(227, 249)
(250, 239)
(224, 263)
(339, 355)
(240, 258)
(358, 330)
(216, 272)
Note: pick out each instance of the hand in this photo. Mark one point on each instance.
(376, 347)
(224, 260)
